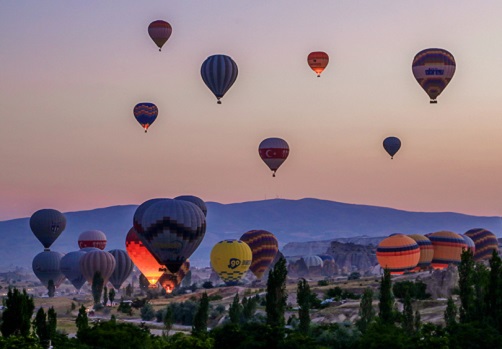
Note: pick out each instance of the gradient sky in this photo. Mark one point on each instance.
(71, 73)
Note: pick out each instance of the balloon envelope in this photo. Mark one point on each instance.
(140, 211)
(172, 231)
(142, 258)
(273, 151)
(433, 69)
(194, 200)
(448, 248)
(123, 268)
(160, 31)
(170, 281)
(318, 61)
(47, 224)
(70, 267)
(145, 114)
(231, 259)
(92, 238)
(46, 266)
(97, 261)
(485, 241)
(264, 247)
(219, 73)
(426, 251)
(392, 145)
(398, 253)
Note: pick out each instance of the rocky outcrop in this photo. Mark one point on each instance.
(441, 283)
(350, 257)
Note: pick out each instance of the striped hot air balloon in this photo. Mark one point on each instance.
(398, 253)
(318, 61)
(231, 260)
(219, 73)
(264, 247)
(97, 261)
(145, 114)
(470, 244)
(140, 211)
(194, 200)
(160, 31)
(142, 258)
(70, 267)
(485, 241)
(273, 152)
(426, 251)
(123, 268)
(92, 238)
(433, 68)
(46, 266)
(448, 248)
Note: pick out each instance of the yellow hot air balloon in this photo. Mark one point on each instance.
(231, 260)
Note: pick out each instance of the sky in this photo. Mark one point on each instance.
(72, 72)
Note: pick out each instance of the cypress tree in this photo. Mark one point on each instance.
(303, 296)
(199, 327)
(493, 295)
(52, 323)
(235, 310)
(51, 288)
(386, 304)
(16, 317)
(366, 311)
(97, 287)
(408, 323)
(82, 322)
(40, 325)
(111, 295)
(450, 314)
(105, 295)
(276, 294)
(466, 287)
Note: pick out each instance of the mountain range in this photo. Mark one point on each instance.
(290, 220)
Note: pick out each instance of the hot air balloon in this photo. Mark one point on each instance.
(264, 247)
(138, 214)
(231, 260)
(170, 281)
(123, 268)
(70, 267)
(313, 261)
(318, 61)
(471, 246)
(160, 31)
(273, 151)
(142, 258)
(97, 261)
(391, 145)
(486, 242)
(46, 266)
(426, 251)
(92, 238)
(145, 114)
(433, 68)
(194, 200)
(448, 248)
(172, 231)
(398, 253)
(219, 73)
(47, 225)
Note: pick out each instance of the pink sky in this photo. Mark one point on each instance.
(72, 73)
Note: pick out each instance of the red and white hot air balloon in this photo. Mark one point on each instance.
(273, 151)
(318, 61)
(160, 31)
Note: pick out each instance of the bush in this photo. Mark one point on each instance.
(215, 297)
(147, 312)
(207, 284)
(322, 283)
(416, 290)
(354, 276)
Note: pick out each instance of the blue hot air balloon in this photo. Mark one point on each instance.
(145, 114)
(391, 145)
(219, 73)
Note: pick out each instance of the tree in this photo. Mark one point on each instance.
(466, 287)
(52, 322)
(450, 314)
(129, 290)
(386, 303)
(493, 295)
(82, 322)
(303, 296)
(199, 327)
(248, 308)
(40, 326)
(408, 323)
(366, 311)
(105, 295)
(168, 320)
(147, 312)
(235, 310)
(16, 317)
(51, 288)
(276, 297)
(97, 287)
(111, 295)
(418, 322)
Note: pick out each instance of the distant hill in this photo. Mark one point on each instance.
(290, 220)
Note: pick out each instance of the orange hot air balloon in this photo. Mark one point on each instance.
(448, 248)
(398, 253)
(160, 31)
(426, 251)
(318, 61)
(170, 281)
(142, 258)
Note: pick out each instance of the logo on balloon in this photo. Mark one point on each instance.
(234, 263)
(173, 247)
